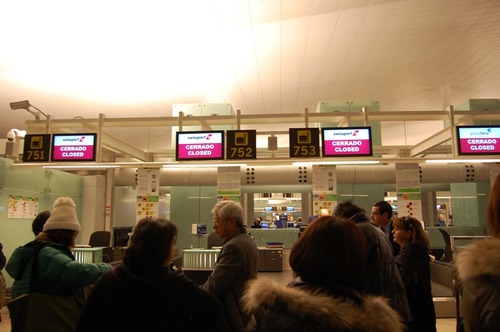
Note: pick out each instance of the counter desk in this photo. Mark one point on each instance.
(262, 236)
(198, 260)
(87, 255)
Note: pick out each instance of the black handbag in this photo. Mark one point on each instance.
(40, 312)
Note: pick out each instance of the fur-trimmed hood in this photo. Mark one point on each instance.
(479, 258)
(304, 305)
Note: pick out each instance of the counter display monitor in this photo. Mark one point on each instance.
(74, 147)
(478, 140)
(347, 142)
(200, 145)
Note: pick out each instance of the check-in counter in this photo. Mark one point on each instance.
(287, 236)
(88, 255)
(199, 263)
(197, 260)
(270, 259)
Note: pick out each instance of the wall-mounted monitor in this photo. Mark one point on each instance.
(346, 142)
(200, 145)
(74, 147)
(478, 140)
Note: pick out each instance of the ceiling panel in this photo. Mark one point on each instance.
(138, 58)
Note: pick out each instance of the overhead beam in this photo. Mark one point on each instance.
(113, 143)
(249, 119)
(431, 142)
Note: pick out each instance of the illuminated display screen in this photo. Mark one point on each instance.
(74, 147)
(478, 140)
(200, 145)
(347, 142)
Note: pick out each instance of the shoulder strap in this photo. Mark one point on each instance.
(37, 247)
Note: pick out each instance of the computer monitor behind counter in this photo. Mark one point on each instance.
(264, 224)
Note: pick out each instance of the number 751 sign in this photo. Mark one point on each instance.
(36, 148)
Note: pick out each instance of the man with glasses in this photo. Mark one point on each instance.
(382, 218)
(236, 264)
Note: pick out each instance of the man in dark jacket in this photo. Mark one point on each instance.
(382, 275)
(236, 264)
(382, 218)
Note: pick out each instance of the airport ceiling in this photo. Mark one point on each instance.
(128, 58)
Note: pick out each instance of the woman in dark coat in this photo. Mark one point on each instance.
(478, 266)
(329, 260)
(144, 294)
(413, 263)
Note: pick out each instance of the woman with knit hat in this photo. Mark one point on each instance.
(56, 270)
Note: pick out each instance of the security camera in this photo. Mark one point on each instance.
(11, 136)
(13, 133)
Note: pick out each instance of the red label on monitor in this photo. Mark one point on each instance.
(200, 145)
(347, 142)
(478, 140)
(79, 147)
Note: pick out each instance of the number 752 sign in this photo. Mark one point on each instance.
(241, 144)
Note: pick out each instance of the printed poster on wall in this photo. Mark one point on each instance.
(23, 207)
(408, 178)
(229, 183)
(148, 181)
(324, 188)
(148, 193)
(147, 207)
(410, 205)
(408, 190)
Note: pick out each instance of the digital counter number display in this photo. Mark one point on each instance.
(241, 144)
(304, 142)
(36, 148)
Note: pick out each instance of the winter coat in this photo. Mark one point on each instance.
(3, 260)
(382, 275)
(413, 263)
(478, 267)
(58, 272)
(300, 307)
(161, 300)
(236, 264)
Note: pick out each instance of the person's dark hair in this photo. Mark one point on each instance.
(150, 245)
(414, 226)
(65, 237)
(348, 209)
(493, 209)
(39, 221)
(384, 207)
(331, 251)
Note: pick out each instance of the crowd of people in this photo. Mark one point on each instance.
(352, 272)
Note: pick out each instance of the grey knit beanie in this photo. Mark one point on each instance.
(63, 216)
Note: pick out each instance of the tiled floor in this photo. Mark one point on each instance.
(443, 324)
